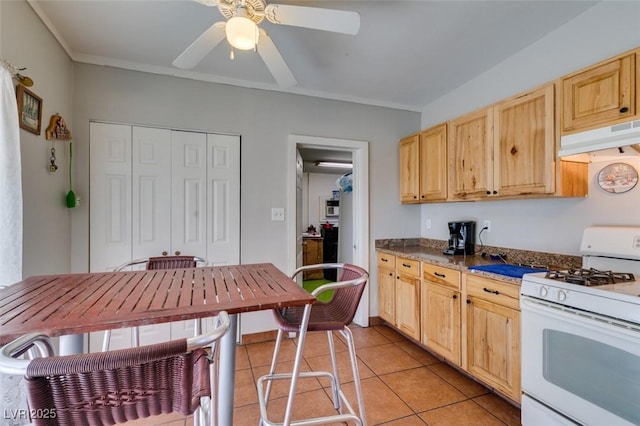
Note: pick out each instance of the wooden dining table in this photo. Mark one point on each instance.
(74, 304)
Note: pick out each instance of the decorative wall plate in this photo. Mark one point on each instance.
(618, 178)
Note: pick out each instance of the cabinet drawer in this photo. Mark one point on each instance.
(386, 260)
(493, 291)
(408, 266)
(440, 275)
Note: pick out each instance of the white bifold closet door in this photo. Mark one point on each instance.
(159, 191)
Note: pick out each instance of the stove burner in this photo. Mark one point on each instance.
(589, 277)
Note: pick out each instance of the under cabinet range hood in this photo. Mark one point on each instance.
(617, 136)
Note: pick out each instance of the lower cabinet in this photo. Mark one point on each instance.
(471, 321)
(493, 334)
(312, 255)
(399, 293)
(440, 311)
(387, 287)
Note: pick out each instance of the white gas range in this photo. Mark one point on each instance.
(580, 336)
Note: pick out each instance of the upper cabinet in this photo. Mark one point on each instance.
(504, 150)
(470, 156)
(603, 94)
(410, 169)
(423, 166)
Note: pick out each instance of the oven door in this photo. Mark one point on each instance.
(582, 365)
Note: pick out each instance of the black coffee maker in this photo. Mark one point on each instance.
(462, 238)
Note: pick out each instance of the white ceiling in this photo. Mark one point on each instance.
(406, 54)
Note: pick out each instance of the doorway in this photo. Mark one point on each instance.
(360, 213)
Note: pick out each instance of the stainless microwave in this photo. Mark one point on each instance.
(332, 208)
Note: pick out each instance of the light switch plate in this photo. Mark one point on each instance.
(277, 214)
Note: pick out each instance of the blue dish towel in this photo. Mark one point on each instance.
(514, 271)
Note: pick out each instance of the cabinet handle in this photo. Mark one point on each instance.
(624, 109)
(491, 291)
(406, 265)
(177, 252)
(455, 296)
(438, 274)
(164, 253)
(488, 192)
(383, 259)
(390, 274)
(414, 197)
(495, 192)
(468, 302)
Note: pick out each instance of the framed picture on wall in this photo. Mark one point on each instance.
(29, 110)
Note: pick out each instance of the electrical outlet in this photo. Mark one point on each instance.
(487, 224)
(427, 224)
(277, 214)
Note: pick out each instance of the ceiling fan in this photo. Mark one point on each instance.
(242, 31)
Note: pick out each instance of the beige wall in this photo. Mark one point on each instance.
(603, 31)
(25, 42)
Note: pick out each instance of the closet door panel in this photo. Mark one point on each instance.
(110, 196)
(223, 211)
(189, 193)
(151, 156)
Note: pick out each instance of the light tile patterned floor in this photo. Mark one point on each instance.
(404, 385)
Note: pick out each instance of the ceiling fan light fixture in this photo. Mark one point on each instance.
(242, 33)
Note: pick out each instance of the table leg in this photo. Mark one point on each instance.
(227, 373)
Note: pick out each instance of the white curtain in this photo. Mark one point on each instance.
(10, 184)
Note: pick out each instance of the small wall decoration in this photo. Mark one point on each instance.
(57, 129)
(29, 110)
(618, 178)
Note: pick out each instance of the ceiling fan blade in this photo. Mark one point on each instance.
(339, 21)
(208, 2)
(274, 61)
(201, 46)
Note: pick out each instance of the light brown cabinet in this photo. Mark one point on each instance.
(410, 169)
(387, 287)
(492, 327)
(399, 293)
(603, 94)
(504, 150)
(440, 311)
(312, 255)
(423, 166)
(408, 296)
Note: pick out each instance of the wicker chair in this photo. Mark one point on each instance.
(160, 262)
(106, 388)
(332, 315)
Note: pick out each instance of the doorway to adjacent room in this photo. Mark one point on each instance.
(359, 216)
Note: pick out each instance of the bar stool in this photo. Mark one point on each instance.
(330, 316)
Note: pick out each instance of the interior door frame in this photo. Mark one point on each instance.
(360, 156)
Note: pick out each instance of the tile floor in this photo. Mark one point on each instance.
(403, 385)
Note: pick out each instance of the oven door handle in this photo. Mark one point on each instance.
(577, 317)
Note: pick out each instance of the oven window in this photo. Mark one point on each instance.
(601, 374)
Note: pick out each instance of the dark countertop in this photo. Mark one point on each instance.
(431, 251)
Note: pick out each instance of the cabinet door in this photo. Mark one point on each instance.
(386, 294)
(433, 164)
(524, 144)
(440, 325)
(409, 169)
(470, 156)
(408, 305)
(493, 345)
(599, 95)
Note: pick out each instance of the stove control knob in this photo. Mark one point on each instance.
(562, 296)
(543, 291)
